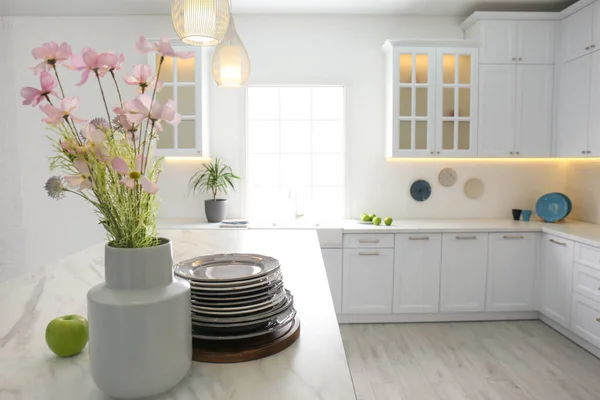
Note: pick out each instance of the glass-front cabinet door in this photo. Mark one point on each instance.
(456, 102)
(414, 102)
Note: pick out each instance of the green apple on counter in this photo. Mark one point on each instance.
(388, 221)
(67, 335)
(365, 218)
(377, 221)
(372, 216)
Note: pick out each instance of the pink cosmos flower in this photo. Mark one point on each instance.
(51, 54)
(131, 176)
(34, 96)
(141, 77)
(94, 141)
(90, 61)
(82, 180)
(112, 61)
(65, 109)
(159, 112)
(162, 47)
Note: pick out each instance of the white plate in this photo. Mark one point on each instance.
(238, 286)
(226, 267)
(258, 306)
(234, 299)
(237, 311)
(287, 303)
(365, 222)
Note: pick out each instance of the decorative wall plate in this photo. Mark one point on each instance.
(447, 177)
(420, 190)
(474, 188)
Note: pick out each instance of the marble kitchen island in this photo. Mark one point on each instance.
(315, 367)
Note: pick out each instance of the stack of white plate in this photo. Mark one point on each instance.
(236, 296)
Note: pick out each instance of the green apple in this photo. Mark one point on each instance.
(377, 221)
(388, 221)
(362, 215)
(372, 216)
(365, 218)
(67, 335)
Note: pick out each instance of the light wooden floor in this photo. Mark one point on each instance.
(468, 360)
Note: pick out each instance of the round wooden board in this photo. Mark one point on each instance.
(218, 351)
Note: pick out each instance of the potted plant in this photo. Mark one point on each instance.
(140, 312)
(213, 178)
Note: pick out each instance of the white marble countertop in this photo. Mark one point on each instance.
(571, 229)
(315, 367)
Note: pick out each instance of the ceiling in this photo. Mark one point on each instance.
(158, 7)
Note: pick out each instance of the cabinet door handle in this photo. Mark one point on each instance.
(513, 237)
(368, 241)
(589, 152)
(511, 153)
(373, 253)
(593, 46)
(437, 152)
(582, 151)
(431, 152)
(587, 48)
(520, 59)
(418, 238)
(466, 237)
(557, 242)
(518, 152)
(514, 59)
(597, 319)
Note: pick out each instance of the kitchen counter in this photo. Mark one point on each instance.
(315, 367)
(570, 229)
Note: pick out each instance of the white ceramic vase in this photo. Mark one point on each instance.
(139, 324)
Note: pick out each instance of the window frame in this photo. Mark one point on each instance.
(247, 153)
(201, 97)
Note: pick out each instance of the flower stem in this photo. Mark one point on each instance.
(58, 80)
(104, 99)
(112, 73)
(48, 98)
(145, 141)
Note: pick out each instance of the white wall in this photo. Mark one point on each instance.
(583, 187)
(284, 50)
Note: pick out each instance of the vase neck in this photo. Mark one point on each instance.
(139, 269)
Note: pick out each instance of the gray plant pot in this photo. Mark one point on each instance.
(215, 210)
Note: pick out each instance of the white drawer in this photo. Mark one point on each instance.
(585, 319)
(587, 255)
(586, 281)
(368, 240)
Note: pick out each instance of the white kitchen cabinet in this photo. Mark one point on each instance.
(577, 33)
(498, 42)
(574, 108)
(557, 271)
(593, 148)
(512, 42)
(431, 99)
(585, 320)
(534, 102)
(464, 269)
(417, 265)
(511, 271)
(596, 28)
(515, 112)
(535, 44)
(497, 87)
(332, 258)
(368, 276)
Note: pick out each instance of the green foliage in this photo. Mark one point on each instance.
(213, 178)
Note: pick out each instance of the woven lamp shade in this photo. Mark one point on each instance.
(200, 22)
(231, 64)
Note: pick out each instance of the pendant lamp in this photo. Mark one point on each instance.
(200, 22)
(230, 63)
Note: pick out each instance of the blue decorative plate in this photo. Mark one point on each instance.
(553, 207)
(420, 190)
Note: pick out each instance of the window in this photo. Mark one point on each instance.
(295, 152)
(182, 83)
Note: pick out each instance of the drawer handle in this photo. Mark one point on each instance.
(466, 237)
(418, 238)
(557, 242)
(374, 253)
(368, 241)
(513, 237)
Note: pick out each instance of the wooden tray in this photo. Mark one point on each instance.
(234, 351)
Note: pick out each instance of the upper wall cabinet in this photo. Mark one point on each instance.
(510, 42)
(580, 32)
(431, 100)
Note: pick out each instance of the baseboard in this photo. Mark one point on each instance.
(438, 317)
(570, 335)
